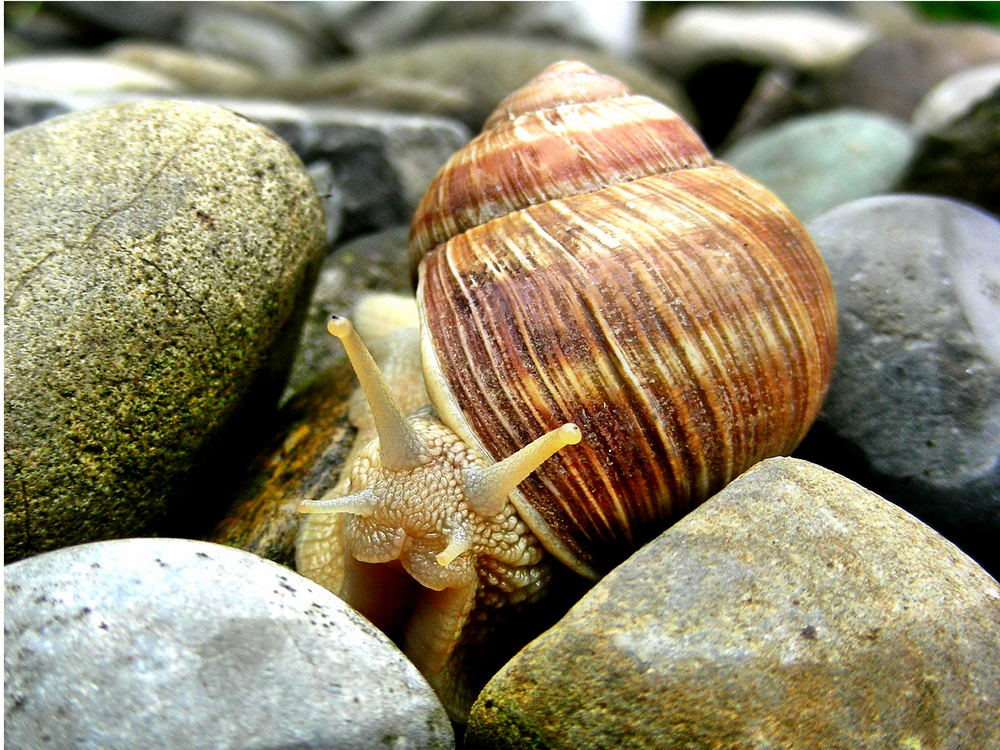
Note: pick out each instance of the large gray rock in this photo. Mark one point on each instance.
(818, 161)
(914, 406)
(159, 257)
(795, 609)
(171, 643)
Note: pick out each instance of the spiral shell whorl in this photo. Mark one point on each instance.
(565, 82)
(669, 305)
(596, 135)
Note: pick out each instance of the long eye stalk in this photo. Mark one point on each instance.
(487, 487)
(401, 447)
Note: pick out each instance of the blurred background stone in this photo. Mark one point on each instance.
(816, 162)
(275, 38)
(955, 97)
(764, 34)
(197, 72)
(471, 73)
(369, 26)
(724, 54)
(961, 158)
(68, 74)
(892, 74)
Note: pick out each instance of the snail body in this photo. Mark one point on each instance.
(621, 321)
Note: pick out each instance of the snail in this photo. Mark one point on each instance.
(612, 326)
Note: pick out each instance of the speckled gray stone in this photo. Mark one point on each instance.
(816, 162)
(171, 643)
(795, 609)
(914, 406)
(158, 261)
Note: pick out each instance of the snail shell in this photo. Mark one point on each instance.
(593, 285)
(586, 259)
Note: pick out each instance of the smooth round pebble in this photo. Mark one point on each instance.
(894, 72)
(955, 96)
(795, 609)
(172, 643)
(816, 162)
(961, 159)
(80, 74)
(806, 39)
(159, 257)
(914, 405)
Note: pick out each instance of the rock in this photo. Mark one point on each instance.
(195, 71)
(777, 95)
(463, 76)
(374, 262)
(893, 73)
(816, 162)
(162, 20)
(375, 165)
(962, 158)
(794, 609)
(367, 27)
(381, 162)
(78, 74)
(275, 38)
(162, 643)
(309, 445)
(914, 405)
(728, 57)
(955, 97)
(159, 257)
(803, 39)
(318, 427)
